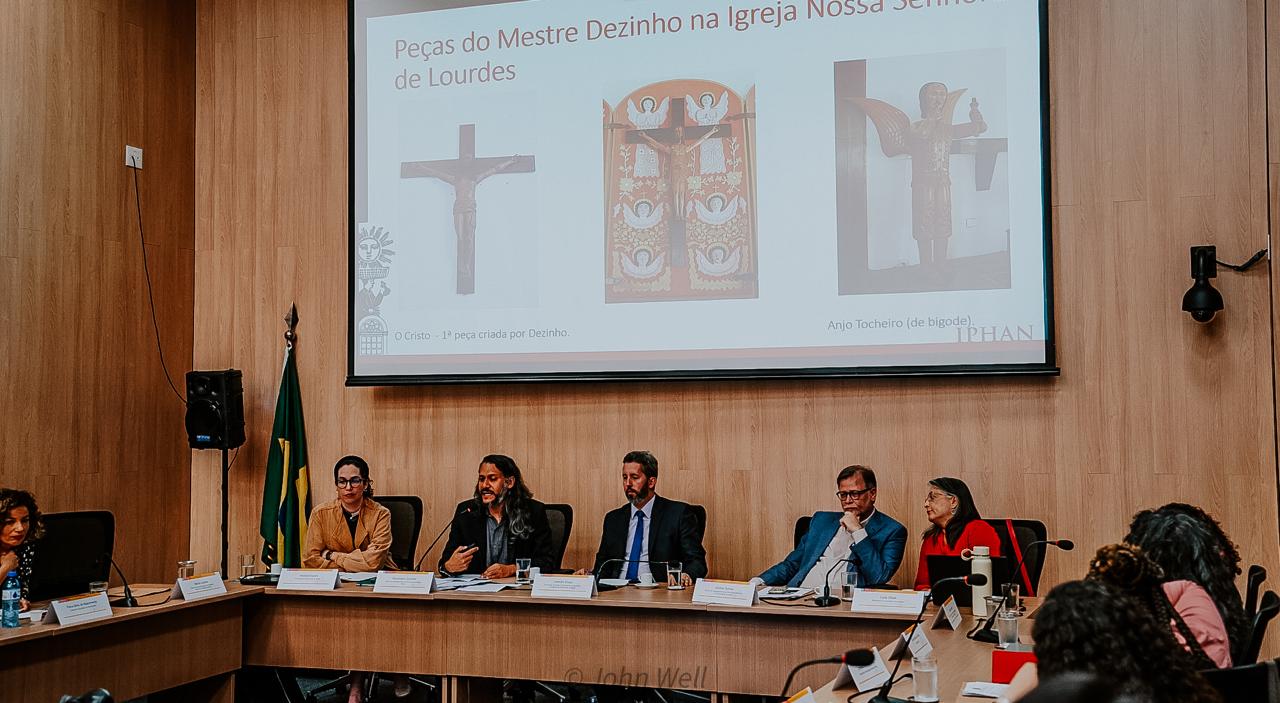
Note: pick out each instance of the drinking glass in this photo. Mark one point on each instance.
(924, 674)
(849, 585)
(97, 586)
(522, 571)
(1012, 596)
(186, 568)
(247, 565)
(674, 570)
(1007, 627)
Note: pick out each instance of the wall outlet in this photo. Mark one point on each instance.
(132, 156)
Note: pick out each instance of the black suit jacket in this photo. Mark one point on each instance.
(470, 529)
(674, 535)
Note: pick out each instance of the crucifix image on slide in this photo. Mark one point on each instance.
(680, 192)
(464, 174)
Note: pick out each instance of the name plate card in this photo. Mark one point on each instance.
(197, 587)
(410, 582)
(884, 602)
(948, 614)
(308, 580)
(78, 609)
(864, 678)
(804, 696)
(719, 592)
(917, 645)
(566, 586)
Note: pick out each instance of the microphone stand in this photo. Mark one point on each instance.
(883, 695)
(127, 601)
(607, 562)
(987, 633)
(856, 657)
(826, 600)
(465, 511)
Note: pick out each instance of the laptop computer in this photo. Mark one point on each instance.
(941, 567)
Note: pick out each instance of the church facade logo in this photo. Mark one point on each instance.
(373, 265)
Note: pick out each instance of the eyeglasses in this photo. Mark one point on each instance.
(932, 496)
(354, 482)
(851, 495)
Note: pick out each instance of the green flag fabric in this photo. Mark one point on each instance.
(286, 494)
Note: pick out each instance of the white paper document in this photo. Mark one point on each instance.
(984, 689)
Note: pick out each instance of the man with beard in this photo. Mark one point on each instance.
(649, 529)
(499, 524)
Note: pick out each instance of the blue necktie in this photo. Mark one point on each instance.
(633, 568)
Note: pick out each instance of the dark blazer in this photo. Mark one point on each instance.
(470, 529)
(876, 558)
(674, 535)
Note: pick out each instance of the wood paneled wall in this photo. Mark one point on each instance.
(1158, 131)
(87, 420)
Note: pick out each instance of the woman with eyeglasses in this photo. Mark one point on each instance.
(955, 525)
(352, 532)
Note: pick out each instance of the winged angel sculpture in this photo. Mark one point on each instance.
(928, 143)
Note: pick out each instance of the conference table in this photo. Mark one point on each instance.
(626, 637)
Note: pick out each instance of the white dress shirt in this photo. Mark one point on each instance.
(631, 535)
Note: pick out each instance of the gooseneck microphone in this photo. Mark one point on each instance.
(882, 696)
(127, 600)
(465, 511)
(855, 657)
(987, 632)
(826, 600)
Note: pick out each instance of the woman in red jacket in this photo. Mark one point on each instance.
(955, 525)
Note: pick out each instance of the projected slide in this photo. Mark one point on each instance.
(608, 188)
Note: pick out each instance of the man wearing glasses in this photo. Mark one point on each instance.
(872, 541)
(351, 533)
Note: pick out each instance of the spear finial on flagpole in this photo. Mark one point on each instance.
(291, 319)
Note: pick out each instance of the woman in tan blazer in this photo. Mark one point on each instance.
(352, 532)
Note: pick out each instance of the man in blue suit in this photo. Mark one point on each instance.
(871, 540)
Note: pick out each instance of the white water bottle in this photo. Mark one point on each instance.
(979, 559)
(12, 600)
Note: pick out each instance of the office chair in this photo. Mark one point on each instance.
(1024, 532)
(1266, 612)
(1253, 585)
(1250, 683)
(76, 549)
(802, 526)
(560, 515)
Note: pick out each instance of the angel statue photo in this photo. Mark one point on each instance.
(927, 206)
(680, 187)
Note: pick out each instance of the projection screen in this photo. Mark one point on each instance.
(611, 189)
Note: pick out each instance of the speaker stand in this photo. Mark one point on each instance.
(225, 471)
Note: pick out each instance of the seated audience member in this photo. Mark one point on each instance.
(1091, 627)
(1190, 612)
(649, 528)
(351, 532)
(499, 524)
(1189, 544)
(20, 529)
(871, 540)
(1070, 688)
(955, 525)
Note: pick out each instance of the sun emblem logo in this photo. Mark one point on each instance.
(373, 253)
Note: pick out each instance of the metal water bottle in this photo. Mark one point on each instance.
(979, 559)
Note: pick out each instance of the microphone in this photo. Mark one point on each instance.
(126, 601)
(826, 600)
(986, 633)
(465, 511)
(607, 562)
(882, 696)
(855, 657)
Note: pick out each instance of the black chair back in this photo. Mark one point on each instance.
(1025, 532)
(560, 515)
(406, 523)
(802, 526)
(1266, 612)
(700, 514)
(1251, 683)
(1253, 585)
(76, 549)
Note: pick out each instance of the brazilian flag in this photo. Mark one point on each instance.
(286, 495)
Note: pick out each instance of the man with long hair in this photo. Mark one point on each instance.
(500, 523)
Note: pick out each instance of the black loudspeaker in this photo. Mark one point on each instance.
(215, 409)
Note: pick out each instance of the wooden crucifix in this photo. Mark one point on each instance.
(677, 144)
(464, 174)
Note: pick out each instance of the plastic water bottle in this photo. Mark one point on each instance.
(12, 600)
(979, 559)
